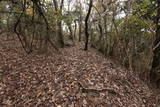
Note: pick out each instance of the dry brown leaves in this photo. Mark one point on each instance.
(40, 80)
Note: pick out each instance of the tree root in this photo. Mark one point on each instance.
(86, 90)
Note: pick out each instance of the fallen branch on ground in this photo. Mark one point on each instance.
(85, 90)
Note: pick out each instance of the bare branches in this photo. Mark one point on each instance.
(16, 25)
(36, 7)
(9, 12)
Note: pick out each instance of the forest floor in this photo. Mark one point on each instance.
(72, 78)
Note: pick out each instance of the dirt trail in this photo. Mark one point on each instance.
(39, 80)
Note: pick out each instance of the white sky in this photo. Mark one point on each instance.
(84, 6)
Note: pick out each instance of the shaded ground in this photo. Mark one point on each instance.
(38, 80)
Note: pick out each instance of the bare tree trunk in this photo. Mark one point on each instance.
(75, 30)
(60, 39)
(80, 22)
(101, 34)
(80, 30)
(86, 25)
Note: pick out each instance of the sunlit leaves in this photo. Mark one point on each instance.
(29, 11)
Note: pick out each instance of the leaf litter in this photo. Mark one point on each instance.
(74, 78)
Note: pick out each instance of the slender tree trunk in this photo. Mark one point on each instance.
(60, 35)
(60, 27)
(86, 25)
(80, 22)
(100, 36)
(75, 29)
(80, 30)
